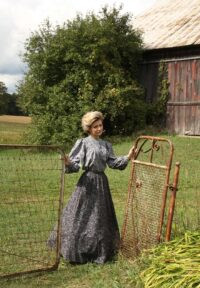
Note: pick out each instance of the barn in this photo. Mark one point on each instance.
(171, 35)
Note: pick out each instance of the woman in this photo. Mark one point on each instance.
(89, 226)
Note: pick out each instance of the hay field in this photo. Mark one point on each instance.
(15, 119)
(12, 128)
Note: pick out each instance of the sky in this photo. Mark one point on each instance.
(18, 18)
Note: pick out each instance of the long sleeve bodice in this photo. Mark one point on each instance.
(94, 155)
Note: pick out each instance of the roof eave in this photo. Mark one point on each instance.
(171, 52)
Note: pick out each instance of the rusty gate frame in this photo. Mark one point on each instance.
(173, 187)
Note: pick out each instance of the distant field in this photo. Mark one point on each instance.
(15, 119)
(12, 128)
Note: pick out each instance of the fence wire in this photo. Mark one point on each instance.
(31, 192)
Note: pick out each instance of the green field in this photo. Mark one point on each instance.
(121, 273)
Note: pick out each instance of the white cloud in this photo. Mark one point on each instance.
(19, 18)
(11, 81)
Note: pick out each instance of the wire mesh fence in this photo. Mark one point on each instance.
(31, 196)
(145, 213)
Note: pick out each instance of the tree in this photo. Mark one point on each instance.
(13, 108)
(8, 102)
(86, 64)
(3, 98)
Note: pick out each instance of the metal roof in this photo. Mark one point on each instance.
(170, 23)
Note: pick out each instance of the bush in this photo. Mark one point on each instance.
(87, 64)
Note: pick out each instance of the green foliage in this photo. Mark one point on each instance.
(12, 108)
(157, 111)
(8, 102)
(86, 64)
(3, 98)
(174, 264)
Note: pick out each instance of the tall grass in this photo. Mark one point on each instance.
(121, 273)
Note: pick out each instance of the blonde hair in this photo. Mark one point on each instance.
(89, 118)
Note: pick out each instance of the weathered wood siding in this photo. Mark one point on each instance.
(183, 110)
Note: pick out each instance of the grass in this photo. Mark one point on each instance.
(121, 273)
(187, 213)
(118, 274)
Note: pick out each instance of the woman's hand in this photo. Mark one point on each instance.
(132, 152)
(65, 158)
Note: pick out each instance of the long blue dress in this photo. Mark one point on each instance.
(90, 230)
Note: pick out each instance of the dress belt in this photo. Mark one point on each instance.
(95, 172)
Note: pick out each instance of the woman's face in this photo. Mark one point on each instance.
(96, 129)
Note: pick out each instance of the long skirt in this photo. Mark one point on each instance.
(90, 230)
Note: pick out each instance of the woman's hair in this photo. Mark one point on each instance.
(89, 118)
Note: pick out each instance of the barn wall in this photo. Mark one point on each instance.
(183, 109)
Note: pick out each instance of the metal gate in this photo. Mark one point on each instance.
(145, 213)
(31, 199)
